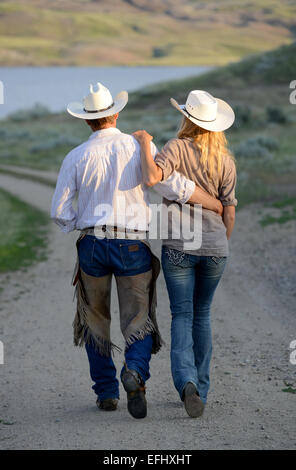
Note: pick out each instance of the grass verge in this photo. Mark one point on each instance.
(283, 211)
(23, 233)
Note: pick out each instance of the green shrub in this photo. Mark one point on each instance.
(242, 116)
(270, 143)
(276, 114)
(158, 52)
(254, 147)
(37, 112)
(14, 134)
(53, 142)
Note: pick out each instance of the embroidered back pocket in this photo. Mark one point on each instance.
(174, 256)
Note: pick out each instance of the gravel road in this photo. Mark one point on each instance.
(46, 396)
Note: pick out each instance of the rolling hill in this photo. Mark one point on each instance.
(141, 32)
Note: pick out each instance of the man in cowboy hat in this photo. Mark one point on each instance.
(105, 171)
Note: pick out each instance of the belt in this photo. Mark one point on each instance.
(107, 231)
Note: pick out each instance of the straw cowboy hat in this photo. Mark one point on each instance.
(98, 104)
(206, 111)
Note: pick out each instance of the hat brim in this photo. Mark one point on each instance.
(77, 109)
(225, 116)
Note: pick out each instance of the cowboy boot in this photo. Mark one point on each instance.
(193, 404)
(110, 404)
(135, 388)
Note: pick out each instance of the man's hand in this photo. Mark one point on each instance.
(199, 196)
(142, 137)
(219, 207)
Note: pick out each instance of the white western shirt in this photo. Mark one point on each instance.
(106, 173)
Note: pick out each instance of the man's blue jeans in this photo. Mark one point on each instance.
(103, 370)
(191, 282)
(98, 257)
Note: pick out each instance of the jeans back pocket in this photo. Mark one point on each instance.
(135, 255)
(86, 248)
(174, 256)
(216, 261)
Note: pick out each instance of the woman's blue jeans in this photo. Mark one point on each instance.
(191, 282)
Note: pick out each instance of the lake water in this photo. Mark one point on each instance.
(55, 87)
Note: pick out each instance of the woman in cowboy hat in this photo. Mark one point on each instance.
(192, 274)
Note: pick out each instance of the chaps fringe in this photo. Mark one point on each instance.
(82, 333)
(147, 329)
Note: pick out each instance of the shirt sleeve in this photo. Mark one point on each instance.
(62, 211)
(227, 189)
(154, 150)
(168, 159)
(176, 188)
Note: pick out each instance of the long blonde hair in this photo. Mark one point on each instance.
(211, 145)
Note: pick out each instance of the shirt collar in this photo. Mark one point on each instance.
(105, 132)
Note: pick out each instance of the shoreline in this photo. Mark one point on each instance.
(23, 83)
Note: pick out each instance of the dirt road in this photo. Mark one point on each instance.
(46, 396)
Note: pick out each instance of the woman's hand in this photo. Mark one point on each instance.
(142, 137)
(151, 173)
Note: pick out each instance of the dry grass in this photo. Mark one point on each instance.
(141, 32)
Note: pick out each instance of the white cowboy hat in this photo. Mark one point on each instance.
(206, 111)
(98, 104)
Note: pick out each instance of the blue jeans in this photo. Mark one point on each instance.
(191, 282)
(103, 370)
(99, 257)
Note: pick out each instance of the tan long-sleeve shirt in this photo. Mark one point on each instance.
(183, 155)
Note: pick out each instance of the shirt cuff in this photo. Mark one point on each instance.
(229, 203)
(165, 170)
(65, 227)
(187, 192)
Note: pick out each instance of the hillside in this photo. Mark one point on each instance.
(141, 32)
(262, 138)
(240, 81)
